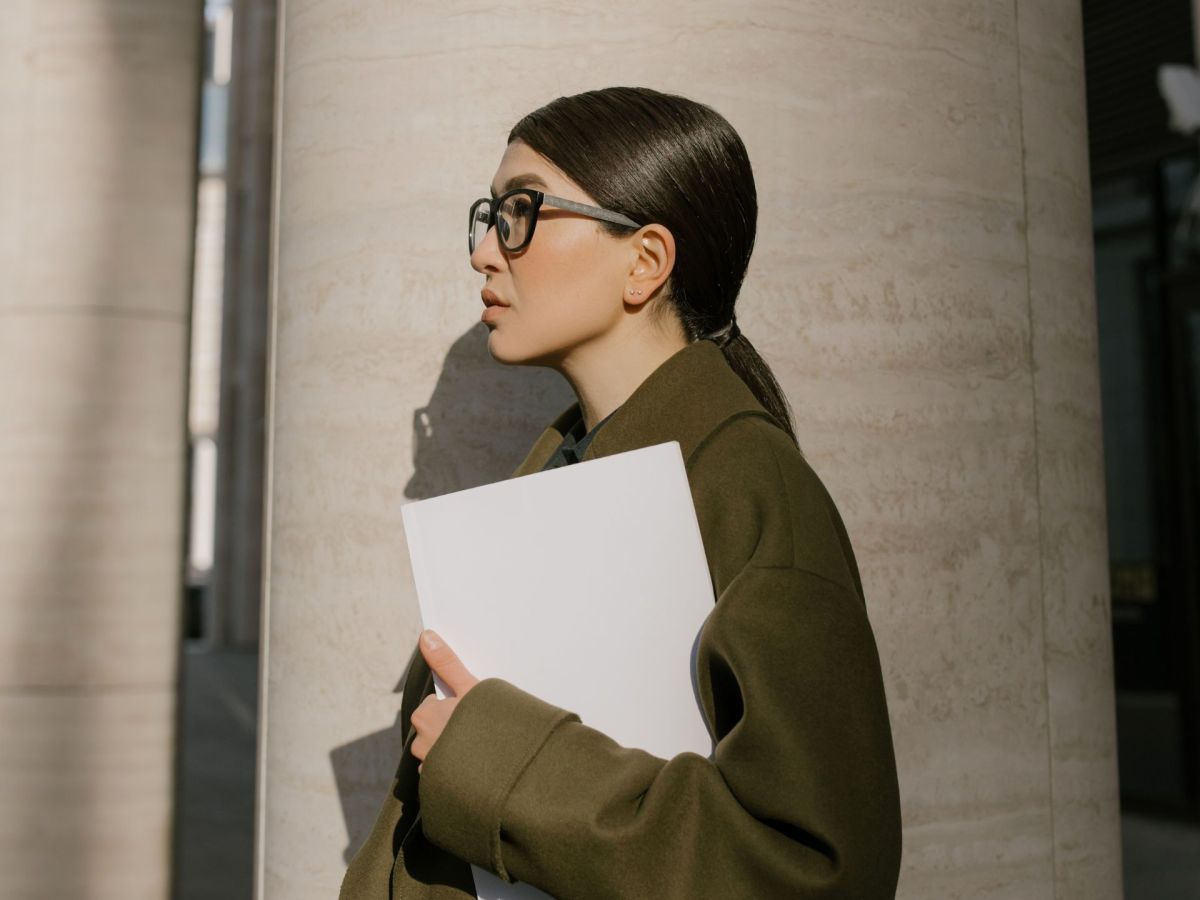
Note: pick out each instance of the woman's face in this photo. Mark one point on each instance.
(566, 288)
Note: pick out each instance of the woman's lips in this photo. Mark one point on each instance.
(490, 299)
(495, 306)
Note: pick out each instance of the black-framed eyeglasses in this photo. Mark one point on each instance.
(515, 215)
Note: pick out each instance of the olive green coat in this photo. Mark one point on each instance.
(800, 798)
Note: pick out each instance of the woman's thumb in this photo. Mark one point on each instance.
(445, 663)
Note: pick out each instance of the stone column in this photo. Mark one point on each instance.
(1073, 565)
(97, 164)
(237, 566)
(921, 284)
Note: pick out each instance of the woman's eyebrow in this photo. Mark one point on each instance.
(526, 180)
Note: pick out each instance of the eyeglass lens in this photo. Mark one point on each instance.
(512, 221)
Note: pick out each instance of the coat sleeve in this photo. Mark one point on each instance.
(799, 798)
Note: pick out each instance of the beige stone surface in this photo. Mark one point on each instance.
(97, 156)
(85, 793)
(92, 459)
(890, 290)
(98, 144)
(1070, 465)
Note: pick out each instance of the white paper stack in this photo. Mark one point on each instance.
(586, 585)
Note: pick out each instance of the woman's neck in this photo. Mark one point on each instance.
(605, 373)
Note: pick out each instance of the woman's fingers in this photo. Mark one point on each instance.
(445, 664)
(429, 720)
(430, 717)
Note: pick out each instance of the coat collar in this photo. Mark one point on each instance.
(685, 399)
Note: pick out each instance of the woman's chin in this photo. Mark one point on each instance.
(502, 349)
(505, 349)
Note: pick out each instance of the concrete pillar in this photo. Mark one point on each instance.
(922, 286)
(1073, 565)
(97, 167)
(237, 570)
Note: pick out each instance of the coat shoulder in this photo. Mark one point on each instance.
(760, 503)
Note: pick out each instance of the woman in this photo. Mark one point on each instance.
(613, 248)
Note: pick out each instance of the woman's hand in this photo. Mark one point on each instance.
(431, 716)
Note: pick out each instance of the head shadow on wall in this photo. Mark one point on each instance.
(481, 418)
(480, 421)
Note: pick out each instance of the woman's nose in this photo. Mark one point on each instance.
(487, 256)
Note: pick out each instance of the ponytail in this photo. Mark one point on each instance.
(754, 371)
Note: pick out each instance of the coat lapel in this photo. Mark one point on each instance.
(544, 447)
(685, 399)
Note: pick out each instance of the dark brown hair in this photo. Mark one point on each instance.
(666, 159)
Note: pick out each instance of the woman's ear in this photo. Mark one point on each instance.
(653, 251)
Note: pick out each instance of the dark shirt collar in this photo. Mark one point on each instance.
(574, 444)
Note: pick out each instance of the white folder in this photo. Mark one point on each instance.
(585, 585)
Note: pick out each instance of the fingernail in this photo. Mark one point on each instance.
(432, 641)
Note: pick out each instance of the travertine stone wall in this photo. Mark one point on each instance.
(1070, 464)
(97, 158)
(921, 284)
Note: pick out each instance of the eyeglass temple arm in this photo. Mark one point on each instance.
(594, 211)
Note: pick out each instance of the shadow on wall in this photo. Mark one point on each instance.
(364, 769)
(481, 419)
(478, 425)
